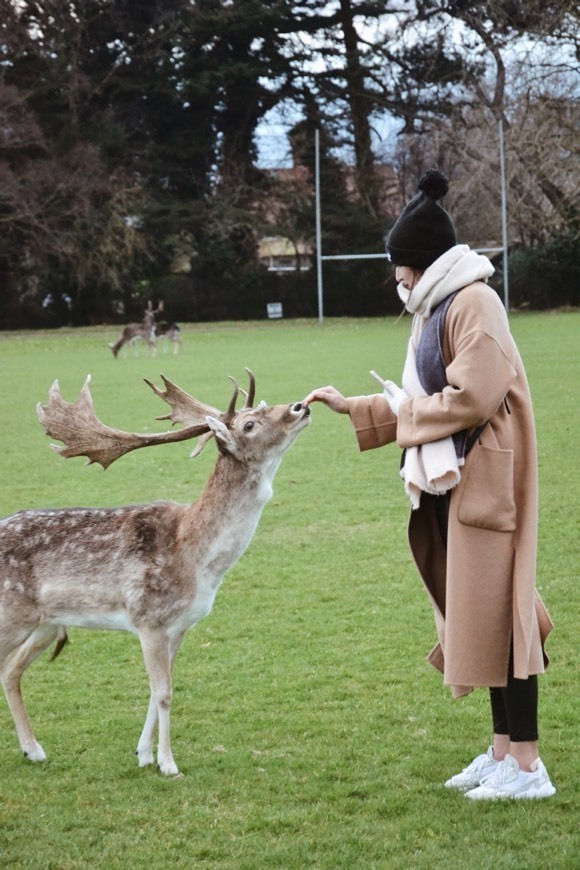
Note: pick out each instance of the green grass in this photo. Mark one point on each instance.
(309, 729)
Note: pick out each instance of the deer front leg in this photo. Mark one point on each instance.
(158, 657)
(145, 745)
(12, 670)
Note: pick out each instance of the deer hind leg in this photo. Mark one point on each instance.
(159, 654)
(145, 745)
(115, 347)
(12, 669)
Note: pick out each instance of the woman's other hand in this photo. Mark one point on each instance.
(394, 396)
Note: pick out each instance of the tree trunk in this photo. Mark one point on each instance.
(359, 110)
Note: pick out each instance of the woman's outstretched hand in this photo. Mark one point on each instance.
(330, 397)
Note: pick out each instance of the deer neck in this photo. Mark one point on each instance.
(221, 524)
(236, 486)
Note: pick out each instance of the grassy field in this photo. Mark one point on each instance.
(309, 729)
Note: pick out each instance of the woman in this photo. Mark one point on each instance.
(464, 420)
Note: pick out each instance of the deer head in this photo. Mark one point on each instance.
(82, 433)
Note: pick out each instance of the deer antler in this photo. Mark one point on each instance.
(83, 434)
(250, 395)
(229, 413)
(188, 411)
(185, 410)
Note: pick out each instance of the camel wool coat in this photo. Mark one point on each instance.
(482, 586)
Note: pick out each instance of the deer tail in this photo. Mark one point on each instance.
(61, 641)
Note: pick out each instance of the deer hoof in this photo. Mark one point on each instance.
(144, 758)
(35, 753)
(169, 769)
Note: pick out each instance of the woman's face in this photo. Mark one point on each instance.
(407, 276)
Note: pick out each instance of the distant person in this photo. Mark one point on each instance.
(464, 420)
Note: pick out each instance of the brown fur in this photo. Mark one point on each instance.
(149, 569)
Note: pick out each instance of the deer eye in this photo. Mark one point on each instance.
(248, 426)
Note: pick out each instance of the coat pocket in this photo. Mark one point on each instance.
(487, 501)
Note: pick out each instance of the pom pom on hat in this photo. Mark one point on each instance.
(424, 230)
(434, 184)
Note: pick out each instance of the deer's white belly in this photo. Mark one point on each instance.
(115, 620)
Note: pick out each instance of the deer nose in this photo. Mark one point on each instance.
(300, 406)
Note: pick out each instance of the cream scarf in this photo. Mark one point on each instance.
(434, 467)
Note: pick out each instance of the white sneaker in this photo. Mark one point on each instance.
(475, 773)
(509, 781)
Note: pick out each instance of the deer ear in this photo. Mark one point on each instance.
(219, 429)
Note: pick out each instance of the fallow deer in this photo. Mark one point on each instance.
(168, 331)
(151, 569)
(134, 332)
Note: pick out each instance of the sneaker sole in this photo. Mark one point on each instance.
(461, 788)
(544, 791)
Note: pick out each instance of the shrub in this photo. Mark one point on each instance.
(547, 276)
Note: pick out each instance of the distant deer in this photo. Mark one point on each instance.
(167, 331)
(150, 569)
(134, 332)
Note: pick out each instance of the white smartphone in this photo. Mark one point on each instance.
(378, 379)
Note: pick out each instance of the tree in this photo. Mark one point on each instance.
(520, 81)
(531, 100)
(361, 106)
(66, 233)
(132, 132)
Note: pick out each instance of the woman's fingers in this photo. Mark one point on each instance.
(330, 397)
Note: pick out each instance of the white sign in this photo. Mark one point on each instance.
(274, 309)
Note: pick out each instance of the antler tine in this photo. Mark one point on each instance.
(227, 416)
(250, 395)
(201, 442)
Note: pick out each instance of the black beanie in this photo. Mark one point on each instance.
(424, 229)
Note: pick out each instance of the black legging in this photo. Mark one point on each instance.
(514, 708)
